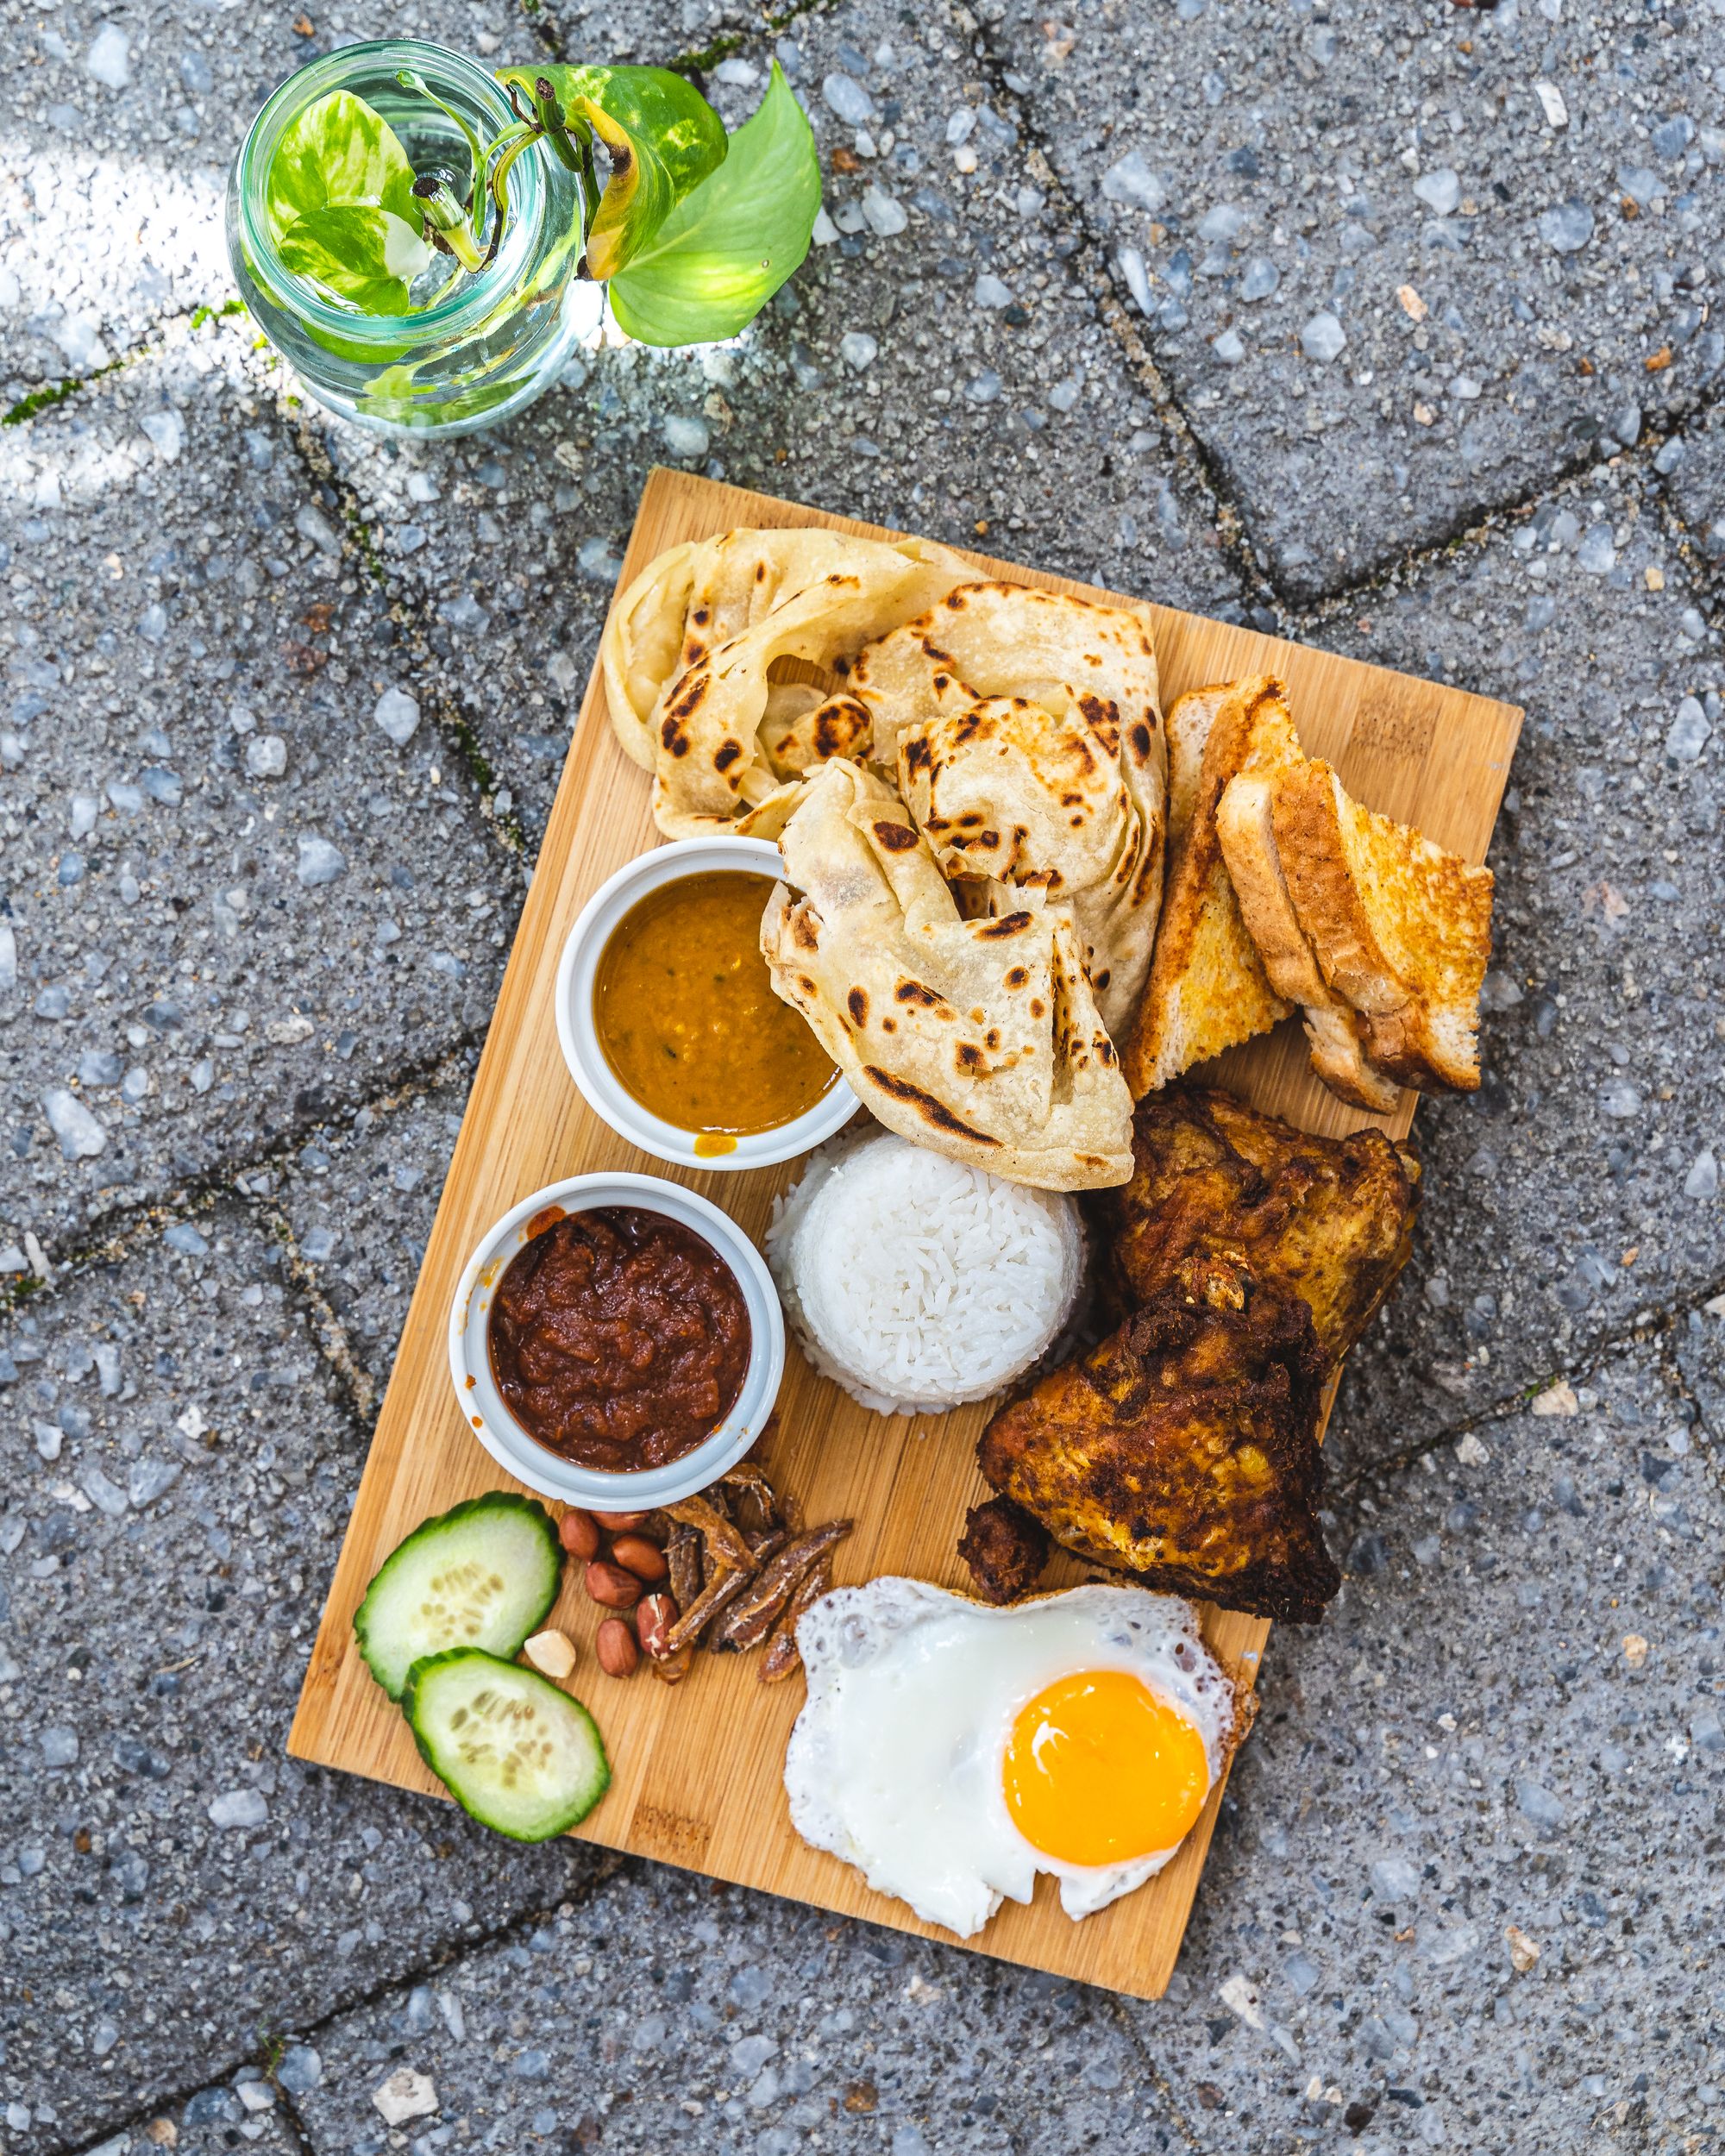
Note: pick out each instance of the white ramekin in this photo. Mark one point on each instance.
(598, 1083)
(514, 1447)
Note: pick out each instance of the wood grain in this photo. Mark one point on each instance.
(697, 1779)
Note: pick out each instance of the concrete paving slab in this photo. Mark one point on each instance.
(359, 1202)
(175, 1893)
(1463, 1897)
(236, 902)
(1400, 264)
(936, 366)
(663, 2012)
(1573, 1190)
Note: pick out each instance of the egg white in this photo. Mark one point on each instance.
(895, 1761)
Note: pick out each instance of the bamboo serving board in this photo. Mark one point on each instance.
(696, 1768)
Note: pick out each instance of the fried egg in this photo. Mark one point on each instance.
(952, 1751)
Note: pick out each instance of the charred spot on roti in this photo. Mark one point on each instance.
(889, 1025)
(726, 754)
(689, 699)
(969, 1058)
(858, 1004)
(915, 991)
(1037, 1007)
(918, 756)
(1008, 924)
(701, 616)
(810, 989)
(1141, 739)
(1105, 1052)
(1016, 976)
(897, 838)
(933, 1111)
(803, 929)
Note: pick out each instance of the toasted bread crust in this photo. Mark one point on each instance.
(1336, 1035)
(1401, 929)
(1207, 988)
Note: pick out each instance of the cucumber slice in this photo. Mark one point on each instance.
(512, 1750)
(484, 1575)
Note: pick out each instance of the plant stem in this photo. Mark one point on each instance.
(551, 119)
(409, 81)
(448, 221)
(499, 187)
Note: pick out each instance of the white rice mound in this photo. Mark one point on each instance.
(918, 1283)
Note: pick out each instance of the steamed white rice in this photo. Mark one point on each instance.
(918, 1283)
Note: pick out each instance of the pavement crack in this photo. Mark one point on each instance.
(120, 1233)
(1194, 461)
(412, 618)
(1152, 2072)
(52, 394)
(332, 1335)
(1656, 1329)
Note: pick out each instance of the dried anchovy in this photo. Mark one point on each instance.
(674, 1668)
(783, 1655)
(683, 1554)
(724, 1544)
(756, 1509)
(749, 1618)
(705, 1607)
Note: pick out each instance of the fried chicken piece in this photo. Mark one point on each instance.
(1005, 1549)
(1331, 1218)
(1184, 1448)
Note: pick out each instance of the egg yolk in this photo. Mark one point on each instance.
(1101, 1770)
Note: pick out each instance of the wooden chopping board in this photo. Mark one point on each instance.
(698, 1767)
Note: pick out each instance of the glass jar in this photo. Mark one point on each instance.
(476, 348)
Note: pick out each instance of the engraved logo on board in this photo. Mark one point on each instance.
(1394, 729)
(672, 1835)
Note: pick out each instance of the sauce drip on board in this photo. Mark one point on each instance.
(686, 1014)
(619, 1338)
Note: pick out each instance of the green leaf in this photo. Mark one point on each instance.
(340, 207)
(663, 137)
(367, 257)
(339, 151)
(723, 252)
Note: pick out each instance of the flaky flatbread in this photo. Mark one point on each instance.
(980, 1039)
(702, 633)
(1050, 797)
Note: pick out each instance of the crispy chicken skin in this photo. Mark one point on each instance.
(1331, 1218)
(1184, 1448)
(1005, 1549)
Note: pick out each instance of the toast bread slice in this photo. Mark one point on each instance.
(1207, 989)
(1400, 929)
(1245, 827)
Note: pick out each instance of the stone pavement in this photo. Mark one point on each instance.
(1389, 325)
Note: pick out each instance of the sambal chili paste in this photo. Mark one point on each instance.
(620, 1339)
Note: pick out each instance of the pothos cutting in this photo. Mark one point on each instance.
(691, 229)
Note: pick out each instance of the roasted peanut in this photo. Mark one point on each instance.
(643, 1558)
(653, 1621)
(611, 1586)
(578, 1532)
(614, 1648)
(617, 1521)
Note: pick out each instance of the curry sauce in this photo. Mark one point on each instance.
(686, 1014)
